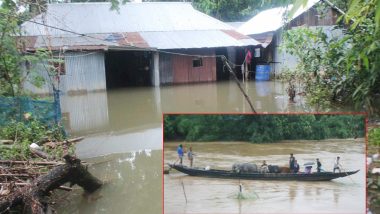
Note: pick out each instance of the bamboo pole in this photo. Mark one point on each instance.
(238, 83)
(183, 188)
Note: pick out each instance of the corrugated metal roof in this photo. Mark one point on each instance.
(150, 40)
(161, 25)
(194, 39)
(235, 24)
(72, 40)
(131, 17)
(271, 20)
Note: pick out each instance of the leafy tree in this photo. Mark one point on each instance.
(374, 136)
(13, 74)
(346, 70)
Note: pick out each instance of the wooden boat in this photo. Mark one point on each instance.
(214, 173)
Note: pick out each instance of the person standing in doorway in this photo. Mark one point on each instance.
(291, 162)
(248, 59)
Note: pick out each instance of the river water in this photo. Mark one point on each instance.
(211, 195)
(123, 126)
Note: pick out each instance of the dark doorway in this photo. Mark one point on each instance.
(128, 68)
(222, 72)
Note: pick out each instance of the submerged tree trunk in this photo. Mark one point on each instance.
(32, 197)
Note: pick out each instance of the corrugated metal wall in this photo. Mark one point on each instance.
(85, 112)
(38, 70)
(179, 68)
(84, 72)
(312, 18)
(166, 68)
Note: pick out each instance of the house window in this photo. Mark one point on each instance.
(59, 67)
(257, 52)
(197, 62)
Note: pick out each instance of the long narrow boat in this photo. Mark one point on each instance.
(214, 173)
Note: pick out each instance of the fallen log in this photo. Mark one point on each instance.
(52, 145)
(16, 175)
(9, 162)
(75, 140)
(32, 197)
(41, 154)
(29, 184)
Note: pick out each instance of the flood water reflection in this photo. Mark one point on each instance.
(131, 181)
(211, 195)
(126, 121)
(123, 110)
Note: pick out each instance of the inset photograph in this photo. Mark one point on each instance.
(264, 163)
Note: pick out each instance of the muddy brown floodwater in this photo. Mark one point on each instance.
(123, 126)
(211, 195)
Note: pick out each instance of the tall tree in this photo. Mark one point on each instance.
(15, 63)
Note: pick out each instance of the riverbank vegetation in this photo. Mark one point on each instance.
(262, 128)
(21, 140)
(340, 70)
(17, 65)
(373, 165)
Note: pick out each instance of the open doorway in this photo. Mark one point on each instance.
(128, 68)
(222, 72)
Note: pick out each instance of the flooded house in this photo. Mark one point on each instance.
(315, 14)
(140, 44)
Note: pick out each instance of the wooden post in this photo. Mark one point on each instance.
(156, 69)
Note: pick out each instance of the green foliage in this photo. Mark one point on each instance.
(317, 68)
(261, 128)
(343, 70)
(25, 133)
(374, 136)
(13, 73)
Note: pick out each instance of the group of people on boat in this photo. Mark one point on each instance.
(294, 167)
(181, 151)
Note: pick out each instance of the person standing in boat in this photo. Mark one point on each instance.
(319, 165)
(180, 153)
(296, 167)
(291, 162)
(190, 156)
(337, 164)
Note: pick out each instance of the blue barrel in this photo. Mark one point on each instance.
(262, 72)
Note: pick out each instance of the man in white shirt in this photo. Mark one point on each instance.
(337, 164)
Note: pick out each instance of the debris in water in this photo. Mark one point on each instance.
(244, 195)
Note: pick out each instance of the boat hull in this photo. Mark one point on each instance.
(321, 176)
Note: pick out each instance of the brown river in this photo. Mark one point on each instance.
(211, 195)
(124, 136)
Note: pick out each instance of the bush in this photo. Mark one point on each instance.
(25, 133)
